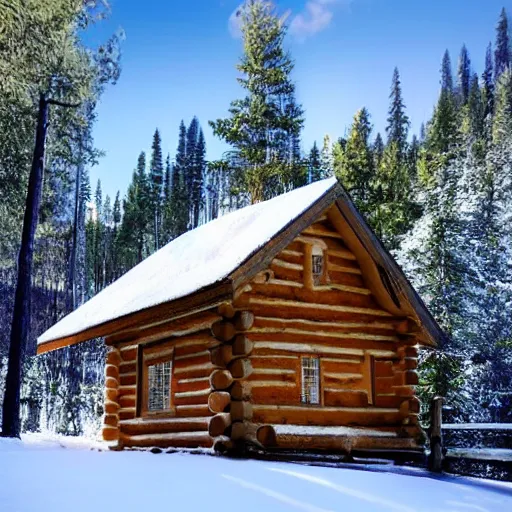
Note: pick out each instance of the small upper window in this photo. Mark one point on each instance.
(310, 393)
(317, 264)
(159, 386)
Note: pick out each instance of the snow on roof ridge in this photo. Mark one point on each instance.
(197, 259)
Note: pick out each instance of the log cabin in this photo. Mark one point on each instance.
(285, 325)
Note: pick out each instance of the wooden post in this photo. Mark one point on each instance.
(435, 460)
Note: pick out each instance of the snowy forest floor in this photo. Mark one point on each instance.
(61, 474)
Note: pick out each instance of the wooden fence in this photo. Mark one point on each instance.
(473, 449)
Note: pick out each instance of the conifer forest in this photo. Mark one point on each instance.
(440, 200)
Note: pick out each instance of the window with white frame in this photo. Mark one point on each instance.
(159, 386)
(310, 392)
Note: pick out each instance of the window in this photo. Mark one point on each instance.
(310, 380)
(317, 266)
(154, 379)
(159, 386)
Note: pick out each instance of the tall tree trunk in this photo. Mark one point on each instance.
(11, 424)
(74, 242)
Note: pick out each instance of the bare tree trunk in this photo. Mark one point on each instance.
(72, 262)
(11, 424)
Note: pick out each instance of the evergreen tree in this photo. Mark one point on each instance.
(412, 157)
(326, 157)
(297, 175)
(502, 51)
(190, 170)
(116, 213)
(314, 164)
(178, 207)
(446, 73)
(353, 165)
(136, 218)
(156, 178)
(502, 122)
(268, 115)
(393, 210)
(197, 196)
(167, 178)
(464, 74)
(423, 133)
(488, 84)
(398, 122)
(378, 150)
(473, 124)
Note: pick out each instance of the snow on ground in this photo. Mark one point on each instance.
(58, 475)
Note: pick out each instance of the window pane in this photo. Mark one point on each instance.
(159, 386)
(310, 380)
(318, 265)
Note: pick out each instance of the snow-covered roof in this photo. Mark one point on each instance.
(197, 259)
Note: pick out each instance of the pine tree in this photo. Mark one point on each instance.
(268, 115)
(398, 122)
(446, 73)
(178, 207)
(297, 175)
(464, 74)
(156, 178)
(412, 157)
(488, 84)
(502, 122)
(473, 124)
(197, 196)
(378, 150)
(326, 157)
(353, 165)
(167, 178)
(502, 51)
(393, 209)
(314, 164)
(137, 217)
(191, 164)
(423, 133)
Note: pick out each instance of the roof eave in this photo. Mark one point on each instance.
(202, 299)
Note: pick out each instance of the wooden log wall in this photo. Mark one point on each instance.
(189, 341)
(367, 356)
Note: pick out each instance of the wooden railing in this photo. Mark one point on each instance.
(476, 449)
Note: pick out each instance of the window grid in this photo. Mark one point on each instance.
(310, 380)
(159, 386)
(318, 265)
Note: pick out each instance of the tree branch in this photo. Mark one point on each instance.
(62, 104)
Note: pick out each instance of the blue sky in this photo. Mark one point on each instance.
(179, 60)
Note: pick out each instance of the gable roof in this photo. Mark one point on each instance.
(205, 264)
